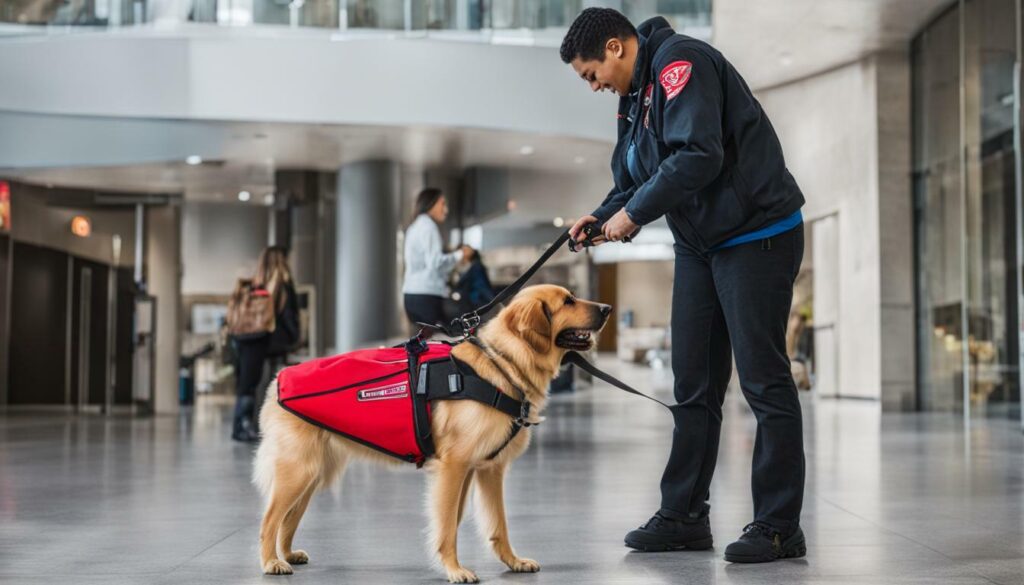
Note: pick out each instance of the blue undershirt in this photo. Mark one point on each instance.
(780, 227)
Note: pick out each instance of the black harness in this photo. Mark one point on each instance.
(453, 379)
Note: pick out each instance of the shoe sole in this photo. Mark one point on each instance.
(795, 552)
(703, 544)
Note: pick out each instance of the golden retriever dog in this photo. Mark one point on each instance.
(526, 341)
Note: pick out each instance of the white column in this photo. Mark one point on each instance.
(163, 264)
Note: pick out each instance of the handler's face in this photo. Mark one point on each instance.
(615, 73)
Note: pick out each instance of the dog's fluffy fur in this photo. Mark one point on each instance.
(529, 337)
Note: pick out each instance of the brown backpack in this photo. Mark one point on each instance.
(251, 311)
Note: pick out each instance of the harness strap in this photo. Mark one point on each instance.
(420, 409)
(517, 423)
(516, 427)
(494, 354)
(448, 381)
(453, 380)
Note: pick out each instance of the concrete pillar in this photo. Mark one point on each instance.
(163, 275)
(895, 228)
(312, 226)
(366, 254)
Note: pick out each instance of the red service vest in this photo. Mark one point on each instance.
(363, 395)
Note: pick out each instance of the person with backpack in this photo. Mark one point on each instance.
(263, 319)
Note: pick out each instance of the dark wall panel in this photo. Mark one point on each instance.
(38, 322)
(5, 242)
(125, 296)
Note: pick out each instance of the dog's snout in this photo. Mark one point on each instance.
(606, 310)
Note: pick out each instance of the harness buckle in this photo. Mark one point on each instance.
(469, 322)
(524, 413)
(416, 345)
(454, 383)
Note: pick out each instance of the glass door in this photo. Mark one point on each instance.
(991, 231)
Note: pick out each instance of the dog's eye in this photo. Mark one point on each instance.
(570, 301)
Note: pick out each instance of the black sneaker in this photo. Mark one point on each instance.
(661, 533)
(760, 543)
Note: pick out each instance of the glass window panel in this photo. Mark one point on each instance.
(937, 188)
(989, 58)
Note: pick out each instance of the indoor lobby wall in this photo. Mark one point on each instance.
(856, 178)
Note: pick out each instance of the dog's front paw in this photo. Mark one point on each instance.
(462, 575)
(297, 557)
(277, 567)
(521, 565)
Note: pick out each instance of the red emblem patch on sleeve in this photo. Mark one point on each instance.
(674, 77)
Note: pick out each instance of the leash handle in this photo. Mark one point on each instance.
(589, 231)
(574, 358)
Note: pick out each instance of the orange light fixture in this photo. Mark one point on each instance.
(81, 226)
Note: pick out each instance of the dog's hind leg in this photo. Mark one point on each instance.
(334, 461)
(291, 481)
(494, 526)
(291, 524)
(446, 490)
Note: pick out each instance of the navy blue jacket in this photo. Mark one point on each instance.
(705, 153)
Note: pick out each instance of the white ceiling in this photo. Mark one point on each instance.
(770, 42)
(255, 151)
(774, 41)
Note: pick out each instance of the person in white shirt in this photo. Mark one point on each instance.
(427, 266)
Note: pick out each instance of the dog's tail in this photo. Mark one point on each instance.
(266, 456)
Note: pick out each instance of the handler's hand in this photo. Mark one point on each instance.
(576, 231)
(619, 226)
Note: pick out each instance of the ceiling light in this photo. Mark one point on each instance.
(527, 150)
(579, 160)
(511, 204)
(194, 159)
(244, 195)
(559, 222)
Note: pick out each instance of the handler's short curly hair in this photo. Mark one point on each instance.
(591, 30)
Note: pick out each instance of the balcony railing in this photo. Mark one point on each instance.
(380, 15)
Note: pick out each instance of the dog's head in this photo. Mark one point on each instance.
(549, 318)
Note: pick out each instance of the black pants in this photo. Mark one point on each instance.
(425, 308)
(273, 364)
(250, 359)
(735, 301)
(249, 370)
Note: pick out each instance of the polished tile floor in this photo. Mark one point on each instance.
(890, 499)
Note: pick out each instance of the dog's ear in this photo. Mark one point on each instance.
(531, 321)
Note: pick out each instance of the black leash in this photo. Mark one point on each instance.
(466, 324)
(580, 362)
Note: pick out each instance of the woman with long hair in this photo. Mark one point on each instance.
(427, 265)
(274, 276)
